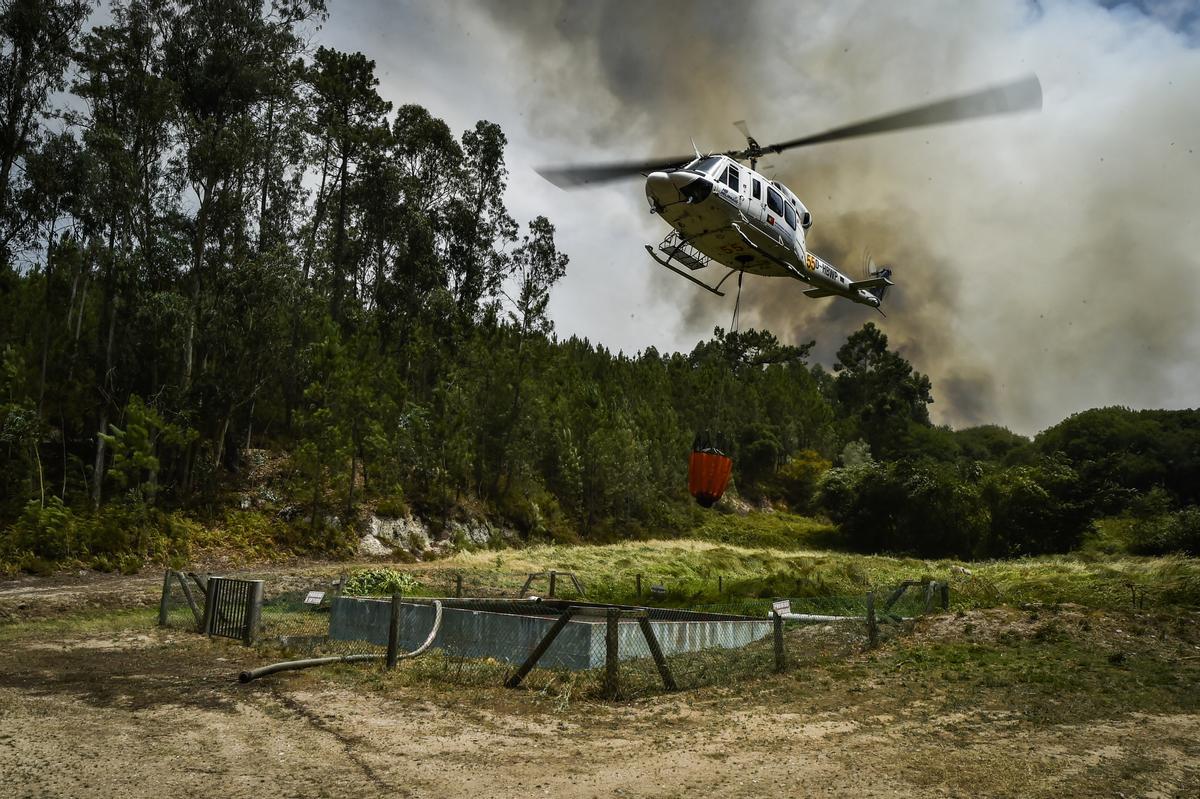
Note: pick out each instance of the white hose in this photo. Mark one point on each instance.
(437, 625)
(293, 665)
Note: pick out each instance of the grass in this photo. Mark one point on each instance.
(691, 571)
(82, 623)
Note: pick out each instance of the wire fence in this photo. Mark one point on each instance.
(565, 647)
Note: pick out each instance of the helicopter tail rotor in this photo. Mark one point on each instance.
(879, 291)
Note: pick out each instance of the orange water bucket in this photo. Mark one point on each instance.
(708, 475)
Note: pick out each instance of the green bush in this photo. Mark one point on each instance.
(380, 582)
(1168, 533)
(393, 506)
(49, 533)
(1033, 511)
(798, 478)
(924, 508)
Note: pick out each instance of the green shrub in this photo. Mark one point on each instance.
(799, 476)
(49, 532)
(393, 506)
(1168, 533)
(380, 582)
(924, 508)
(1033, 511)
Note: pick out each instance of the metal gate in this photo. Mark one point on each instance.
(232, 608)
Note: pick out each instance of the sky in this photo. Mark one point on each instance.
(1045, 262)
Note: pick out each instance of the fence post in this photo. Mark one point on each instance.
(929, 596)
(458, 584)
(393, 649)
(162, 603)
(664, 670)
(553, 576)
(210, 596)
(945, 596)
(780, 655)
(639, 586)
(612, 654)
(872, 625)
(720, 585)
(540, 649)
(254, 599)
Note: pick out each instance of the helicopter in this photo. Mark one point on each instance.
(722, 212)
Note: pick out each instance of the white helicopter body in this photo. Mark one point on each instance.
(722, 211)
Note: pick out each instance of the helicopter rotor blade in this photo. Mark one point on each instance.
(1009, 98)
(1020, 95)
(743, 128)
(571, 177)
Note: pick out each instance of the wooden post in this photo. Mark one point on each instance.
(945, 596)
(872, 625)
(458, 584)
(210, 605)
(528, 582)
(254, 599)
(720, 585)
(780, 655)
(612, 654)
(393, 649)
(162, 603)
(201, 580)
(895, 595)
(187, 594)
(553, 576)
(929, 596)
(540, 649)
(639, 586)
(664, 670)
(575, 581)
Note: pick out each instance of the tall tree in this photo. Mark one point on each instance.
(37, 38)
(879, 393)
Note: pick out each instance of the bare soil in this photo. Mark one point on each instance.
(126, 709)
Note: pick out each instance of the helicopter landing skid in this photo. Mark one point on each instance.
(667, 263)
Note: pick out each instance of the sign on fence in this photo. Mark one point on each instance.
(782, 606)
(314, 597)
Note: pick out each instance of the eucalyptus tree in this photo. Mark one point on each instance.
(479, 223)
(348, 122)
(37, 38)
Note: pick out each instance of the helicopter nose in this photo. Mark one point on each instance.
(664, 188)
(661, 189)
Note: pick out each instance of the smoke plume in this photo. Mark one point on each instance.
(1045, 263)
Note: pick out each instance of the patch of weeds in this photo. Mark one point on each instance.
(1052, 678)
(142, 619)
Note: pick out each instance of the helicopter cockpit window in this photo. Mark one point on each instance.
(756, 189)
(704, 165)
(775, 202)
(731, 177)
(790, 214)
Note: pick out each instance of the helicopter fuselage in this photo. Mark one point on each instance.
(737, 217)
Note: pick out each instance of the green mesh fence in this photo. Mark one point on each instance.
(182, 604)
(488, 641)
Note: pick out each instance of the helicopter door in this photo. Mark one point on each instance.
(755, 205)
(776, 218)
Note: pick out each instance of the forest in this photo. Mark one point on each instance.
(217, 237)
